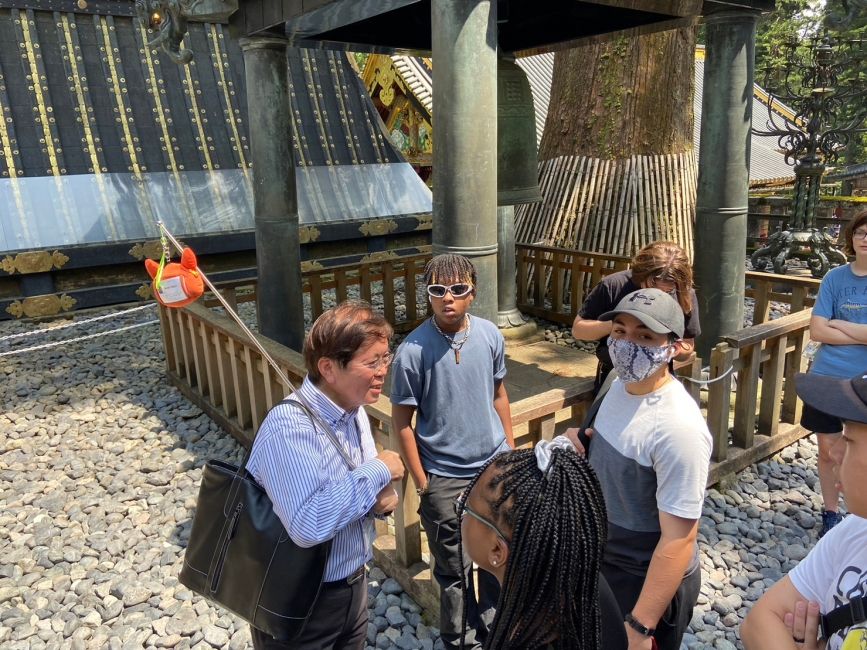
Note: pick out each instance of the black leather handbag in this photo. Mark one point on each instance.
(240, 556)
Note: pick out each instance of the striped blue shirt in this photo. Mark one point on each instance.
(312, 490)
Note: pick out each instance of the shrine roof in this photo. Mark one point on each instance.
(113, 135)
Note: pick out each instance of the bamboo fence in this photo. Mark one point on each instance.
(616, 206)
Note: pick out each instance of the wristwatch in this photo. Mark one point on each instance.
(634, 623)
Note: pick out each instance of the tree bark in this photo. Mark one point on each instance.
(624, 97)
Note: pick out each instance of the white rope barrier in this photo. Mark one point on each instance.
(76, 323)
(86, 337)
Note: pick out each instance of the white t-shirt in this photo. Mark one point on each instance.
(835, 572)
(651, 453)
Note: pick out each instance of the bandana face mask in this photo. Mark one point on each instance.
(635, 362)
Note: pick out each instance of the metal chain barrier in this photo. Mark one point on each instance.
(705, 382)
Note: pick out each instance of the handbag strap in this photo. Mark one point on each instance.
(317, 420)
(593, 410)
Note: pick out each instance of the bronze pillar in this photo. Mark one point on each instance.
(279, 304)
(464, 49)
(724, 174)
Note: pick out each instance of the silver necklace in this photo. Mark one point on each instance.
(454, 345)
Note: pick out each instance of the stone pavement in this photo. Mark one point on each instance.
(99, 474)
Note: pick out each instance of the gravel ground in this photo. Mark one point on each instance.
(98, 480)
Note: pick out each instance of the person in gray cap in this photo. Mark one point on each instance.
(650, 447)
(822, 602)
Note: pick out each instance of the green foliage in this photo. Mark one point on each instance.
(360, 59)
(793, 21)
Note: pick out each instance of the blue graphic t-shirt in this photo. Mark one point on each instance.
(842, 296)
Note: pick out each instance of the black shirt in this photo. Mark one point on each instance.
(613, 631)
(607, 294)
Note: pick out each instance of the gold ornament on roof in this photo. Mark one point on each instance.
(378, 227)
(144, 292)
(307, 234)
(33, 262)
(37, 306)
(386, 77)
(380, 256)
(152, 250)
(311, 265)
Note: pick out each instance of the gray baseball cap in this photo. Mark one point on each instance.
(656, 309)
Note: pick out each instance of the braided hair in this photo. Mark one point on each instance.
(559, 526)
(449, 267)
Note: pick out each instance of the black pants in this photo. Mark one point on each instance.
(338, 621)
(437, 512)
(678, 614)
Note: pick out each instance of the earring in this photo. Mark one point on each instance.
(493, 563)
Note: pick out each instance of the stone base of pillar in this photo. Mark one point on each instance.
(516, 329)
(510, 318)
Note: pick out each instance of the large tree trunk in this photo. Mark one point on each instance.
(630, 96)
(617, 166)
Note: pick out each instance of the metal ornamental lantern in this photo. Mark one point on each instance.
(517, 164)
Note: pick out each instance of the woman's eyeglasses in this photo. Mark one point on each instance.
(376, 364)
(464, 509)
(660, 282)
(858, 234)
(458, 290)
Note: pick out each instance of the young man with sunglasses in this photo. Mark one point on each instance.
(449, 374)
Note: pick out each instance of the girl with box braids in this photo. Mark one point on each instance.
(553, 525)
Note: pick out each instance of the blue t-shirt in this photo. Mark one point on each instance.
(842, 296)
(457, 429)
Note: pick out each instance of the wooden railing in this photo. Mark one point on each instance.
(761, 416)
(400, 554)
(552, 282)
(398, 276)
(798, 293)
(211, 360)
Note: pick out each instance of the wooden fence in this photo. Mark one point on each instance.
(399, 277)
(761, 416)
(752, 408)
(552, 282)
(209, 359)
(798, 293)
